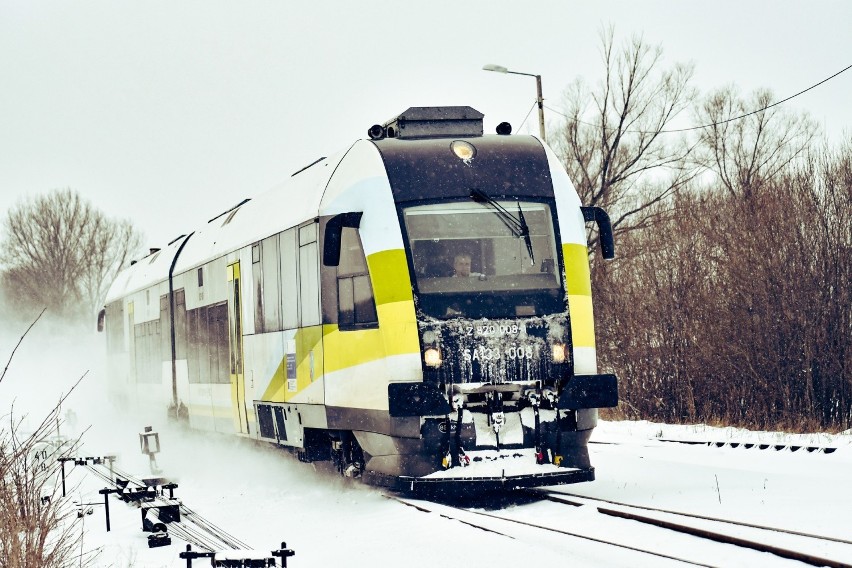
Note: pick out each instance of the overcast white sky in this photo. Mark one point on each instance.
(169, 112)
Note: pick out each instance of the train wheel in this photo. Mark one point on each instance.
(347, 455)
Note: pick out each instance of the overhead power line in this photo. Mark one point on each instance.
(528, 115)
(721, 121)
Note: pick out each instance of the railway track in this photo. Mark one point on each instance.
(469, 516)
(192, 527)
(663, 516)
(616, 514)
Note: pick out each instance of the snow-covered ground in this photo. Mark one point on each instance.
(264, 496)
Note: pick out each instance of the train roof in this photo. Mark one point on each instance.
(286, 205)
(310, 192)
(283, 206)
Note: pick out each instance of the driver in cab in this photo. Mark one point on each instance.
(461, 267)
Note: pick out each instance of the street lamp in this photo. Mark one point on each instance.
(539, 100)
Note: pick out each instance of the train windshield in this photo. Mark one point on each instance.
(492, 259)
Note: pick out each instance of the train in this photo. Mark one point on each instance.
(415, 310)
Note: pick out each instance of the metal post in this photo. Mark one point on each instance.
(105, 492)
(106, 506)
(540, 108)
(172, 328)
(284, 553)
(61, 461)
(539, 96)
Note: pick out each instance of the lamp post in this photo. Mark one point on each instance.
(539, 98)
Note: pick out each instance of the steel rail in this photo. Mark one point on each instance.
(708, 534)
(727, 539)
(549, 494)
(542, 527)
(226, 538)
(185, 532)
(204, 534)
(425, 510)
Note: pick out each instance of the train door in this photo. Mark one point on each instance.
(235, 342)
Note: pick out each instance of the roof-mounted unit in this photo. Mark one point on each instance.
(433, 122)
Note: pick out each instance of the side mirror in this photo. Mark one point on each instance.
(600, 217)
(334, 235)
(101, 317)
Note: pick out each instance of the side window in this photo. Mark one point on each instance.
(196, 336)
(270, 255)
(217, 326)
(180, 323)
(257, 278)
(275, 274)
(115, 327)
(289, 279)
(355, 302)
(148, 351)
(207, 337)
(309, 275)
(165, 329)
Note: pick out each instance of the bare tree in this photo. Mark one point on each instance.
(614, 144)
(740, 318)
(37, 526)
(729, 301)
(746, 152)
(60, 252)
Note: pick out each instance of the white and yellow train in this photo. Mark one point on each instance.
(416, 308)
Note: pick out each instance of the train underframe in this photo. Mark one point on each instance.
(495, 437)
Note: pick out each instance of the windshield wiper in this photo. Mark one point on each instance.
(518, 225)
(525, 233)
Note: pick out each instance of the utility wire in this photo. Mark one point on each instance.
(530, 112)
(721, 121)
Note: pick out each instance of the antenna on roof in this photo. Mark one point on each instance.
(237, 206)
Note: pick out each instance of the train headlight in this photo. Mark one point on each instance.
(464, 150)
(559, 353)
(432, 357)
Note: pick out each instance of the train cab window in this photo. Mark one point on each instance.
(471, 259)
(356, 305)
